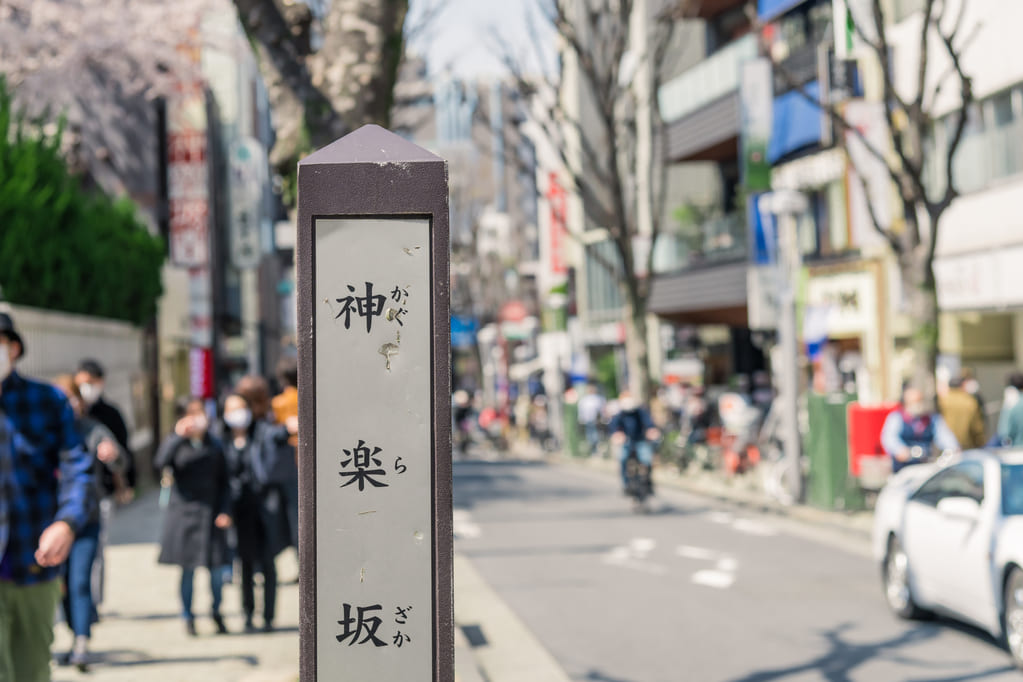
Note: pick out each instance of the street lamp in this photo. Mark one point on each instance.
(787, 205)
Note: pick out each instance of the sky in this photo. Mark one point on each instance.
(460, 38)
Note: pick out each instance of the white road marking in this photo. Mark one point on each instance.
(710, 578)
(634, 556)
(642, 546)
(728, 565)
(721, 517)
(751, 527)
(721, 577)
(700, 553)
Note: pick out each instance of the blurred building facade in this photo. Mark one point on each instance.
(477, 127)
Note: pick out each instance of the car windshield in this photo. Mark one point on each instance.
(1012, 489)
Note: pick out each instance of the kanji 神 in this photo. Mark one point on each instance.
(362, 458)
(355, 626)
(401, 615)
(368, 306)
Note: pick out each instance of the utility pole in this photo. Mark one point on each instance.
(787, 206)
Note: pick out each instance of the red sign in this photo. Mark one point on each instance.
(558, 205)
(200, 372)
(187, 184)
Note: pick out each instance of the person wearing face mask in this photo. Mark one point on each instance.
(46, 497)
(251, 445)
(79, 603)
(912, 431)
(633, 426)
(963, 414)
(91, 381)
(198, 513)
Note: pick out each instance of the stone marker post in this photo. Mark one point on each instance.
(375, 551)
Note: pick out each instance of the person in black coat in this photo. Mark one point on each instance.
(91, 382)
(252, 446)
(198, 513)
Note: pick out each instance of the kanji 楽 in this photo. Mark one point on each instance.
(361, 458)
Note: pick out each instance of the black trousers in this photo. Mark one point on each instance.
(257, 549)
(269, 570)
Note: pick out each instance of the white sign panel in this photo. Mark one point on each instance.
(986, 280)
(374, 459)
(850, 298)
(248, 178)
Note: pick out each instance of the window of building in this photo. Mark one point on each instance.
(603, 295)
(726, 27)
(991, 147)
(903, 8)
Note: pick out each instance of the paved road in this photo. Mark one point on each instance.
(694, 591)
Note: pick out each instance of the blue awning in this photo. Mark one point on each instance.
(770, 9)
(797, 122)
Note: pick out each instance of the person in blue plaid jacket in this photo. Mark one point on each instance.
(45, 498)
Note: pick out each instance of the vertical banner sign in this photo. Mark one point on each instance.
(374, 446)
(559, 206)
(187, 179)
(755, 96)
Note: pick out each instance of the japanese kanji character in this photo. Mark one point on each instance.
(362, 458)
(368, 306)
(361, 623)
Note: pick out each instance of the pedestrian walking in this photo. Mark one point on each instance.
(591, 405)
(251, 446)
(45, 500)
(91, 381)
(963, 414)
(285, 410)
(1010, 396)
(108, 461)
(198, 512)
(117, 488)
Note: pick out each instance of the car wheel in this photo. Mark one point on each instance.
(1012, 622)
(897, 590)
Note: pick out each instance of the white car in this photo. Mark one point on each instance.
(949, 538)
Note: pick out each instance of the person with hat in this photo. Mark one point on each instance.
(45, 499)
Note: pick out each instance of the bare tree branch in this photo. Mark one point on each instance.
(967, 99)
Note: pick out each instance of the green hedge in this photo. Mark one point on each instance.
(61, 247)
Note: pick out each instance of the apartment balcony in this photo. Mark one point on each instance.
(701, 106)
(700, 276)
(718, 240)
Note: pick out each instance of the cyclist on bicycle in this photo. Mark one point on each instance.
(633, 430)
(912, 431)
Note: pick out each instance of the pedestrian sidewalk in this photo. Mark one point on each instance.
(141, 635)
(743, 491)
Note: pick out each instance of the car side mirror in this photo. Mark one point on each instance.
(963, 508)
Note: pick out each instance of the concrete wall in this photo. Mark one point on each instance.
(55, 343)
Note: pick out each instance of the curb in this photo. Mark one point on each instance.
(505, 650)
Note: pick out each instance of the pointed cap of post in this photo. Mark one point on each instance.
(370, 144)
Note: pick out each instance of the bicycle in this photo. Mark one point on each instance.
(638, 480)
